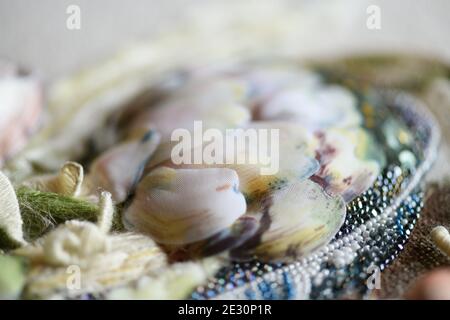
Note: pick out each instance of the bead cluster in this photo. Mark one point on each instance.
(377, 225)
(373, 234)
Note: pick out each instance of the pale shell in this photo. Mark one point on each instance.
(337, 149)
(294, 221)
(183, 206)
(218, 104)
(295, 152)
(314, 108)
(296, 161)
(266, 82)
(119, 169)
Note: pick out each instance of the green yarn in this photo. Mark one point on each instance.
(6, 243)
(42, 211)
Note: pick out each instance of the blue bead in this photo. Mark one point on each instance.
(250, 294)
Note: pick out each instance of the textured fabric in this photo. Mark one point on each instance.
(420, 254)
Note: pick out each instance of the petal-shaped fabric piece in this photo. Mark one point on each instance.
(68, 181)
(265, 155)
(119, 169)
(316, 108)
(217, 103)
(266, 82)
(349, 161)
(182, 206)
(294, 221)
(237, 234)
(291, 159)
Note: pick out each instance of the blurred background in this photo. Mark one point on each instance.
(34, 33)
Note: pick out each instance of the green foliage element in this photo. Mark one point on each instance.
(42, 211)
(12, 277)
(6, 242)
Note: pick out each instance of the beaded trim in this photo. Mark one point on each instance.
(377, 227)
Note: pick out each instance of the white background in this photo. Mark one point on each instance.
(34, 34)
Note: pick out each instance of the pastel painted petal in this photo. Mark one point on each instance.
(294, 221)
(266, 82)
(218, 103)
(210, 90)
(183, 206)
(349, 161)
(11, 234)
(318, 108)
(161, 118)
(119, 169)
(255, 186)
(293, 159)
(67, 182)
(288, 156)
(237, 234)
(20, 108)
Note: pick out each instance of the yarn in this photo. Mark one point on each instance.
(42, 211)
